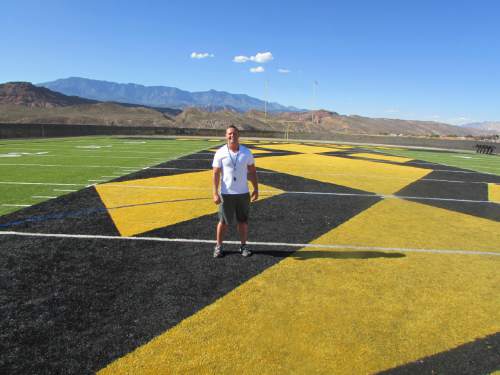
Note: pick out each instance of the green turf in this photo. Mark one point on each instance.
(73, 163)
(470, 161)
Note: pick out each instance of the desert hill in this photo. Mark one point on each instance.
(24, 93)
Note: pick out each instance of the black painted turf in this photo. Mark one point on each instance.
(467, 188)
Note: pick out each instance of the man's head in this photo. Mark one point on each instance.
(232, 135)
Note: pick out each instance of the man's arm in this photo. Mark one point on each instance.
(216, 181)
(252, 176)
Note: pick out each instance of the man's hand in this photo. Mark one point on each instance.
(255, 195)
(216, 198)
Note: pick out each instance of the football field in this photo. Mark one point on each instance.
(366, 260)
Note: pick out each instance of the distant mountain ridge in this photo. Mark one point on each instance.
(159, 96)
(485, 125)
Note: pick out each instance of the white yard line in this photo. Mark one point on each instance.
(339, 174)
(65, 190)
(15, 205)
(62, 165)
(38, 183)
(121, 185)
(42, 197)
(108, 157)
(126, 170)
(270, 244)
(114, 151)
(200, 169)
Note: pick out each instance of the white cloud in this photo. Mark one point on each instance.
(241, 59)
(261, 57)
(201, 55)
(258, 69)
(284, 71)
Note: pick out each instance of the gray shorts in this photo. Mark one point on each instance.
(234, 205)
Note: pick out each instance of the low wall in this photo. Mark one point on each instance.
(54, 130)
(453, 144)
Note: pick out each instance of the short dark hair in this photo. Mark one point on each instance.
(234, 127)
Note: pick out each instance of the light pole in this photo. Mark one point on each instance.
(265, 97)
(315, 83)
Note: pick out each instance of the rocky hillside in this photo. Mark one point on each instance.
(24, 93)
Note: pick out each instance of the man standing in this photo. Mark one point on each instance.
(236, 165)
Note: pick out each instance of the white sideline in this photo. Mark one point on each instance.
(121, 185)
(271, 244)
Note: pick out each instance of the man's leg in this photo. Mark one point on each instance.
(221, 231)
(243, 231)
(242, 211)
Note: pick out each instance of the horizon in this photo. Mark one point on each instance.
(425, 61)
(299, 110)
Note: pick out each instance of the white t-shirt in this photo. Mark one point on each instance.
(234, 166)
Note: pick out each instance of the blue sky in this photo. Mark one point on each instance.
(426, 60)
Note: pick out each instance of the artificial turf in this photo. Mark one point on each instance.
(465, 160)
(73, 163)
(82, 305)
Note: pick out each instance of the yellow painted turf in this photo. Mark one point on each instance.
(404, 224)
(389, 148)
(364, 175)
(323, 311)
(254, 151)
(345, 147)
(305, 149)
(139, 206)
(368, 155)
(494, 192)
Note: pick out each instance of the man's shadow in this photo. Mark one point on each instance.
(326, 254)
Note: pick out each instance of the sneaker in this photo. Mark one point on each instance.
(218, 252)
(245, 251)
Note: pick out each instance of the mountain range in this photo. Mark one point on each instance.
(485, 125)
(23, 102)
(160, 96)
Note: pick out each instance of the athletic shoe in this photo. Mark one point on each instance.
(245, 251)
(218, 251)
